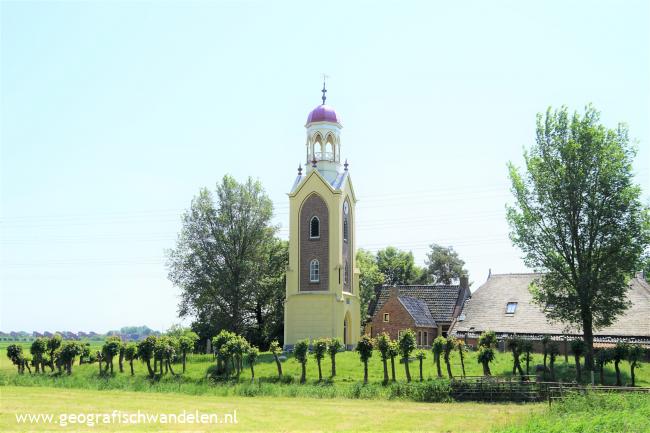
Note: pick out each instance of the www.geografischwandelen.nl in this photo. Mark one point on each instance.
(117, 417)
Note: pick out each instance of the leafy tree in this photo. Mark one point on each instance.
(221, 257)
(462, 348)
(70, 350)
(634, 356)
(300, 353)
(578, 349)
(38, 349)
(487, 342)
(130, 354)
(421, 355)
(365, 346)
(186, 343)
(110, 349)
(619, 353)
(146, 352)
(437, 348)
(333, 347)
(527, 349)
(251, 357)
(406, 346)
(450, 344)
(276, 350)
(15, 354)
(579, 218)
(398, 267)
(444, 265)
(514, 344)
(53, 343)
(393, 351)
(165, 350)
(383, 346)
(369, 278)
(602, 357)
(553, 352)
(219, 343)
(85, 354)
(319, 349)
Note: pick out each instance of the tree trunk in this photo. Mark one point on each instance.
(99, 361)
(169, 365)
(303, 374)
(252, 373)
(131, 365)
(578, 371)
(152, 371)
(279, 365)
(448, 367)
(392, 367)
(527, 364)
(184, 355)
(28, 369)
(602, 374)
(618, 373)
(320, 374)
(437, 358)
(632, 372)
(589, 341)
(333, 365)
(462, 361)
(121, 361)
(544, 359)
(406, 368)
(161, 367)
(421, 377)
(385, 362)
(365, 372)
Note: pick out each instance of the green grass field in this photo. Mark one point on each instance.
(257, 414)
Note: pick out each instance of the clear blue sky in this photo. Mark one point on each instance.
(114, 114)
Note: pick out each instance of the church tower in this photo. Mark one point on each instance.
(322, 294)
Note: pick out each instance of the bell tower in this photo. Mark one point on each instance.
(322, 292)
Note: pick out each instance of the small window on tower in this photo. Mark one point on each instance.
(314, 228)
(314, 271)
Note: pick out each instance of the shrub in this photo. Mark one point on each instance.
(110, 349)
(406, 346)
(53, 343)
(69, 350)
(251, 357)
(420, 355)
(276, 350)
(383, 346)
(437, 348)
(365, 346)
(130, 354)
(300, 353)
(38, 349)
(319, 348)
(146, 352)
(186, 344)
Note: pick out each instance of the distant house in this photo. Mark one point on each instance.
(504, 304)
(36, 334)
(428, 310)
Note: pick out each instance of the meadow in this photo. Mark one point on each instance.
(346, 384)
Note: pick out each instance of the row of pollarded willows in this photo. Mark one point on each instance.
(55, 352)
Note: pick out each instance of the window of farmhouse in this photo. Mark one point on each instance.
(386, 317)
(511, 307)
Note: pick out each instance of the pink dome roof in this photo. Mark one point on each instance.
(323, 113)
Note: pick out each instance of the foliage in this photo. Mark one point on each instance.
(406, 346)
(383, 344)
(319, 349)
(553, 351)
(437, 348)
(398, 267)
(444, 265)
(578, 349)
(619, 353)
(300, 351)
(146, 350)
(276, 350)
(333, 347)
(369, 277)
(578, 217)
(227, 262)
(365, 346)
(450, 344)
(110, 349)
(635, 353)
(527, 349)
(514, 344)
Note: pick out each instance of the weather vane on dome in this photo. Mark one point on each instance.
(324, 89)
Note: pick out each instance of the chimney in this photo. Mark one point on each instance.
(464, 282)
(394, 292)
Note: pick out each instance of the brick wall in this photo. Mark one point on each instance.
(311, 249)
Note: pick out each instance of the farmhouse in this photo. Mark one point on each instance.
(428, 310)
(504, 305)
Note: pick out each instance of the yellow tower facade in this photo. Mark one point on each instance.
(322, 292)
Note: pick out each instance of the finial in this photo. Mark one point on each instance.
(346, 164)
(299, 169)
(313, 162)
(324, 89)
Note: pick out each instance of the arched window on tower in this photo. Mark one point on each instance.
(314, 228)
(314, 271)
(345, 230)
